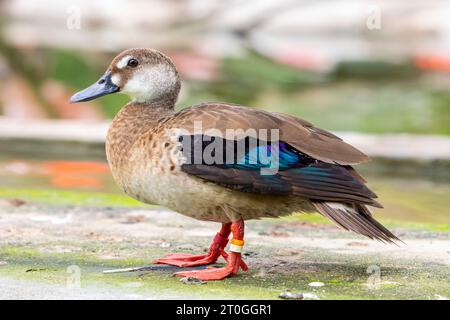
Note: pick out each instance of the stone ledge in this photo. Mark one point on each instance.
(29, 134)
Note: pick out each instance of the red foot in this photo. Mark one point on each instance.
(191, 260)
(234, 261)
(187, 260)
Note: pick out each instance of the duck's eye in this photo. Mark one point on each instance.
(133, 63)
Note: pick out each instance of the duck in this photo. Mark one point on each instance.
(225, 163)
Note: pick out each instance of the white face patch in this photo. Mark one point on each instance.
(149, 83)
(123, 62)
(115, 79)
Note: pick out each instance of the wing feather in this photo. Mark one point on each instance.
(302, 135)
(297, 174)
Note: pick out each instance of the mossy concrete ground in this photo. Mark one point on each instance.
(56, 244)
(61, 251)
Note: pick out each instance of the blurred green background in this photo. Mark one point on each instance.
(368, 69)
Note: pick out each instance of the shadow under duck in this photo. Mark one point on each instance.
(211, 161)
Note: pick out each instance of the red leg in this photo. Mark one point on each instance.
(190, 260)
(234, 259)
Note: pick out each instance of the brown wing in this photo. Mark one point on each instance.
(302, 135)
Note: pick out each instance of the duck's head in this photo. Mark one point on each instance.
(146, 75)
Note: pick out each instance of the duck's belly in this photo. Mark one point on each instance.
(161, 181)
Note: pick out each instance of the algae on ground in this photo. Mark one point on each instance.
(71, 197)
(343, 277)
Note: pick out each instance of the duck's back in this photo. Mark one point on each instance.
(220, 117)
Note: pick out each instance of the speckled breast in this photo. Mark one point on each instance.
(152, 174)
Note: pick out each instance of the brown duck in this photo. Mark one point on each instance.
(225, 163)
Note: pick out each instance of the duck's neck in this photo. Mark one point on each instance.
(131, 122)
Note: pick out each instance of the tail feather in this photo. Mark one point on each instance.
(357, 218)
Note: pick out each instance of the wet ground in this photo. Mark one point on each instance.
(63, 223)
